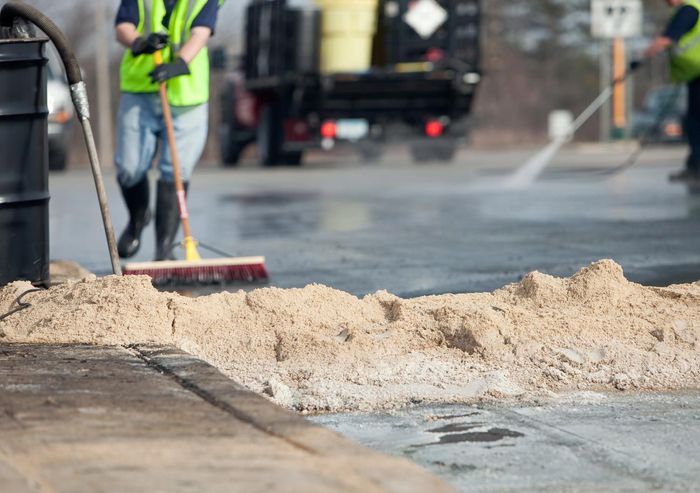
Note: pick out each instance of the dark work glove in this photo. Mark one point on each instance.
(150, 44)
(635, 64)
(169, 70)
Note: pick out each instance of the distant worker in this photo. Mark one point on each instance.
(682, 39)
(181, 29)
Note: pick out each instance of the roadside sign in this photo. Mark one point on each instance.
(426, 17)
(616, 18)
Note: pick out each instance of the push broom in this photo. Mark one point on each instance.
(194, 269)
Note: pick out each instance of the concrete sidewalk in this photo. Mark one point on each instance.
(94, 419)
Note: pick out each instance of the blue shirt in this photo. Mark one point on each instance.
(129, 12)
(682, 23)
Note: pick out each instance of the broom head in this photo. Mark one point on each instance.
(210, 271)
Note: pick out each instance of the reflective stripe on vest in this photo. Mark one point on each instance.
(187, 90)
(685, 57)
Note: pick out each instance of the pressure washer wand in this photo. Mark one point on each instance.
(528, 173)
(604, 96)
(12, 10)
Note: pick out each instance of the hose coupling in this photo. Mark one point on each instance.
(80, 99)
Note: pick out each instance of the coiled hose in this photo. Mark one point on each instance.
(10, 13)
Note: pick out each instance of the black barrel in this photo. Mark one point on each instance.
(24, 195)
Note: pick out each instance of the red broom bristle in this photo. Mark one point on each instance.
(202, 274)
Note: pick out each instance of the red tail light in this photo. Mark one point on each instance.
(434, 129)
(329, 130)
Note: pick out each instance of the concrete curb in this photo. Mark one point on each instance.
(80, 419)
(390, 474)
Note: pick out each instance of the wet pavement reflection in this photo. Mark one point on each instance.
(413, 229)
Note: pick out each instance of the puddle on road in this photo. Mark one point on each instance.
(492, 435)
(271, 198)
(456, 427)
(299, 212)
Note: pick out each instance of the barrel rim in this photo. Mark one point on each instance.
(23, 40)
(13, 199)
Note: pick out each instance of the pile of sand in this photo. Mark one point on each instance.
(321, 349)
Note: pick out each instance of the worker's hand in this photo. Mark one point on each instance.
(657, 46)
(169, 70)
(149, 44)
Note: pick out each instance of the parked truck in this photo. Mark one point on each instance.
(290, 96)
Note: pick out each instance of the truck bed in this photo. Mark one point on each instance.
(386, 93)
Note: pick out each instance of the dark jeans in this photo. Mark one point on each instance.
(692, 125)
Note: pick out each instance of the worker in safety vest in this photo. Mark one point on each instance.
(180, 29)
(682, 39)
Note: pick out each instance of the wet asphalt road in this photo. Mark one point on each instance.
(431, 229)
(586, 443)
(420, 229)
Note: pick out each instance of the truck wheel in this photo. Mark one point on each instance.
(231, 149)
(270, 137)
(442, 151)
(271, 140)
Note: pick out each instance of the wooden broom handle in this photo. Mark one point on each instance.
(170, 130)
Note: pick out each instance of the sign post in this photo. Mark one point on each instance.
(613, 21)
(619, 97)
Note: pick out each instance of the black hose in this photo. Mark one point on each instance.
(21, 305)
(11, 10)
(645, 140)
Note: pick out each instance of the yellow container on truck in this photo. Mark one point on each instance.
(348, 30)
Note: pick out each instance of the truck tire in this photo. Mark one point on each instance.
(271, 139)
(441, 150)
(229, 146)
(231, 149)
(270, 136)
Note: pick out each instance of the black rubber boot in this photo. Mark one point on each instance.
(167, 220)
(136, 199)
(691, 172)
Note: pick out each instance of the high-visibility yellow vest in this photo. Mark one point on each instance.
(685, 57)
(187, 90)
